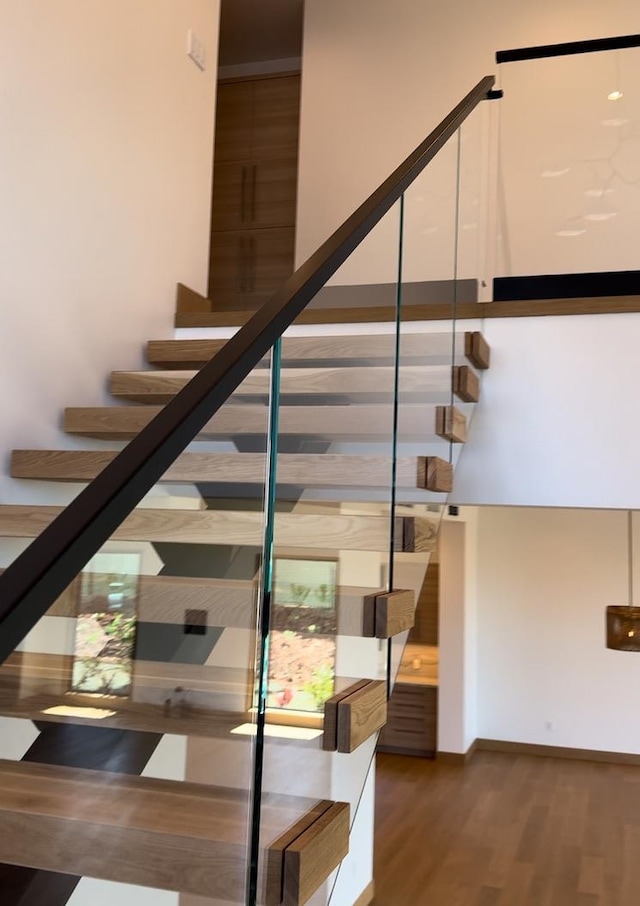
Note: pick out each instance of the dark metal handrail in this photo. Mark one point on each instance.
(547, 51)
(38, 576)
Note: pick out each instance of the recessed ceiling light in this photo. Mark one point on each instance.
(570, 233)
(552, 174)
(616, 122)
(614, 95)
(601, 215)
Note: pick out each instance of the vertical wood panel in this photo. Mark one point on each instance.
(254, 191)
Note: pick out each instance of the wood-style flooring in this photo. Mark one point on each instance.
(511, 830)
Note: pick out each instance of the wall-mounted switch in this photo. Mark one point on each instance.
(196, 50)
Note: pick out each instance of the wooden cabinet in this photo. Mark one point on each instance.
(254, 195)
(248, 265)
(234, 121)
(412, 720)
(254, 190)
(412, 726)
(276, 117)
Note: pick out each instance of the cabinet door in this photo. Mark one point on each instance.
(233, 190)
(412, 720)
(257, 119)
(271, 192)
(276, 116)
(234, 121)
(229, 271)
(248, 195)
(271, 256)
(248, 266)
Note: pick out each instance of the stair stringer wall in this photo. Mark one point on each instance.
(556, 425)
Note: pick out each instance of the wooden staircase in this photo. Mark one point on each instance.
(191, 837)
(186, 837)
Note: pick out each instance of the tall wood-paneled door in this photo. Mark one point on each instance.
(254, 190)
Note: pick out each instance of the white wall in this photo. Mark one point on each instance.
(556, 423)
(457, 644)
(544, 674)
(105, 181)
(378, 76)
(452, 639)
(105, 174)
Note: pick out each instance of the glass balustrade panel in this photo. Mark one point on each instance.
(334, 486)
(569, 176)
(142, 672)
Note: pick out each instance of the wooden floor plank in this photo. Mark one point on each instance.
(507, 830)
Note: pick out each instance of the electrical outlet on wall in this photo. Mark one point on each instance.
(196, 50)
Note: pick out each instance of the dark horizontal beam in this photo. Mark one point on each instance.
(544, 51)
(39, 575)
(567, 286)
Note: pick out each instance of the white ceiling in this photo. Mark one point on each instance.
(256, 30)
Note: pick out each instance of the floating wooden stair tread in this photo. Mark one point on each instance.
(348, 423)
(432, 383)
(427, 349)
(334, 531)
(451, 424)
(352, 716)
(166, 599)
(228, 603)
(435, 474)
(389, 613)
(214, 700)
(319, 840)
(213, 679)
(318, 470)
(477, 349)
(116, 712)
(466, 384)
(158, 833)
